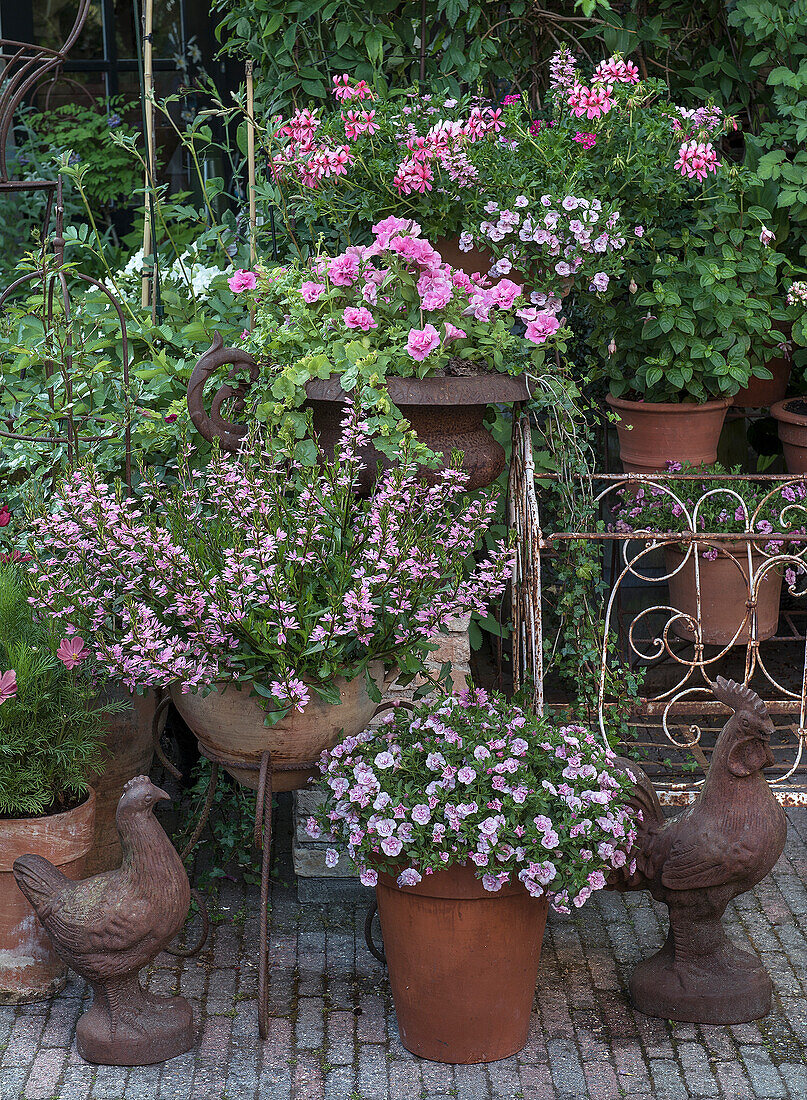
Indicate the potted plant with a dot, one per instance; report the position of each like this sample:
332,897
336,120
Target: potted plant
723,591
417,339
267,598
470,815
51,739
791,414
695,329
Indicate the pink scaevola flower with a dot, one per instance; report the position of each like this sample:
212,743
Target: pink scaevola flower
72,651
241,281
422,342
8,685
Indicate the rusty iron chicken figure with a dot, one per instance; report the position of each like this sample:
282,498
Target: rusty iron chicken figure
111,925
720,846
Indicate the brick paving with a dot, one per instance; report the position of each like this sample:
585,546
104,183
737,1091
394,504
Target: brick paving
334,1035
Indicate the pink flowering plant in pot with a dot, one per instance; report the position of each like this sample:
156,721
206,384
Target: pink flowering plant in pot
52,725
389,309
472,779
262,572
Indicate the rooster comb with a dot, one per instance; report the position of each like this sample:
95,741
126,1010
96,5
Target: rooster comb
136,782
738,697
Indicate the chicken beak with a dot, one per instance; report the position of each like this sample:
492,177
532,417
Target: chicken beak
160,795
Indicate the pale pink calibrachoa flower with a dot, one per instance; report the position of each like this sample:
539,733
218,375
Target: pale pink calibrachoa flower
242,280
421,342
540,805
8,685
72,651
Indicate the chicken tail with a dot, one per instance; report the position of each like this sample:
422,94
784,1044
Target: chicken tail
642,800
40,881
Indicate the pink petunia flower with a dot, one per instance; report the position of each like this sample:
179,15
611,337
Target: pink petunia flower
72,651
312,291
5,516
422,342
359,317
8,685
242,280
544,325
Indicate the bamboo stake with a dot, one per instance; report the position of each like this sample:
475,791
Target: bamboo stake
148,112
251,163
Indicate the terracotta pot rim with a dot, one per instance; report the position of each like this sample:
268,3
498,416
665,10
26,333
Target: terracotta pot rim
739,545
7,821
669,407
241,685
446,390
781,412
469,887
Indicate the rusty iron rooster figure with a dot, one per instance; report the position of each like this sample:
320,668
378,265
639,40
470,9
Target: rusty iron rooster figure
110,926
697,862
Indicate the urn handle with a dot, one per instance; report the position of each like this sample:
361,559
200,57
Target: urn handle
213,425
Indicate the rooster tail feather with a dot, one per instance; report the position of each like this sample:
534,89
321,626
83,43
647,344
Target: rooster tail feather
643,799
40,881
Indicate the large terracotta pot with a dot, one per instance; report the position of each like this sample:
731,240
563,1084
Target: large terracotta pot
760,393
653,433
229,725
446,413
792,423
129,742
724,595
30,969
463,964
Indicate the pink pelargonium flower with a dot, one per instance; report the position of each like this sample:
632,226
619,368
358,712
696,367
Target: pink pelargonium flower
359,317
422,342
312,292
242,280
544,325
8,685
72,651
696,159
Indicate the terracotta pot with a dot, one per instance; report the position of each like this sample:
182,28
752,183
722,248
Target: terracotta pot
792,418
229,725
130,745
478,261
724,595
463,964
652,433
446,413
762,393
30,969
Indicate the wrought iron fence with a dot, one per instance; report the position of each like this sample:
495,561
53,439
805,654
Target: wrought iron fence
682,607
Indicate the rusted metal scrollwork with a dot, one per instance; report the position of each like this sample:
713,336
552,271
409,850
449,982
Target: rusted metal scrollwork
23,67
213,425
675,641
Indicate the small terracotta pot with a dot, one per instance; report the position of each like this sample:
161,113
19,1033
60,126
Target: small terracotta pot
446,413
30,969
760,393
129,742
792,423
653,433
725,616
463,964
229,725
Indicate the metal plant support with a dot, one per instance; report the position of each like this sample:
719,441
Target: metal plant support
675,713
76,429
